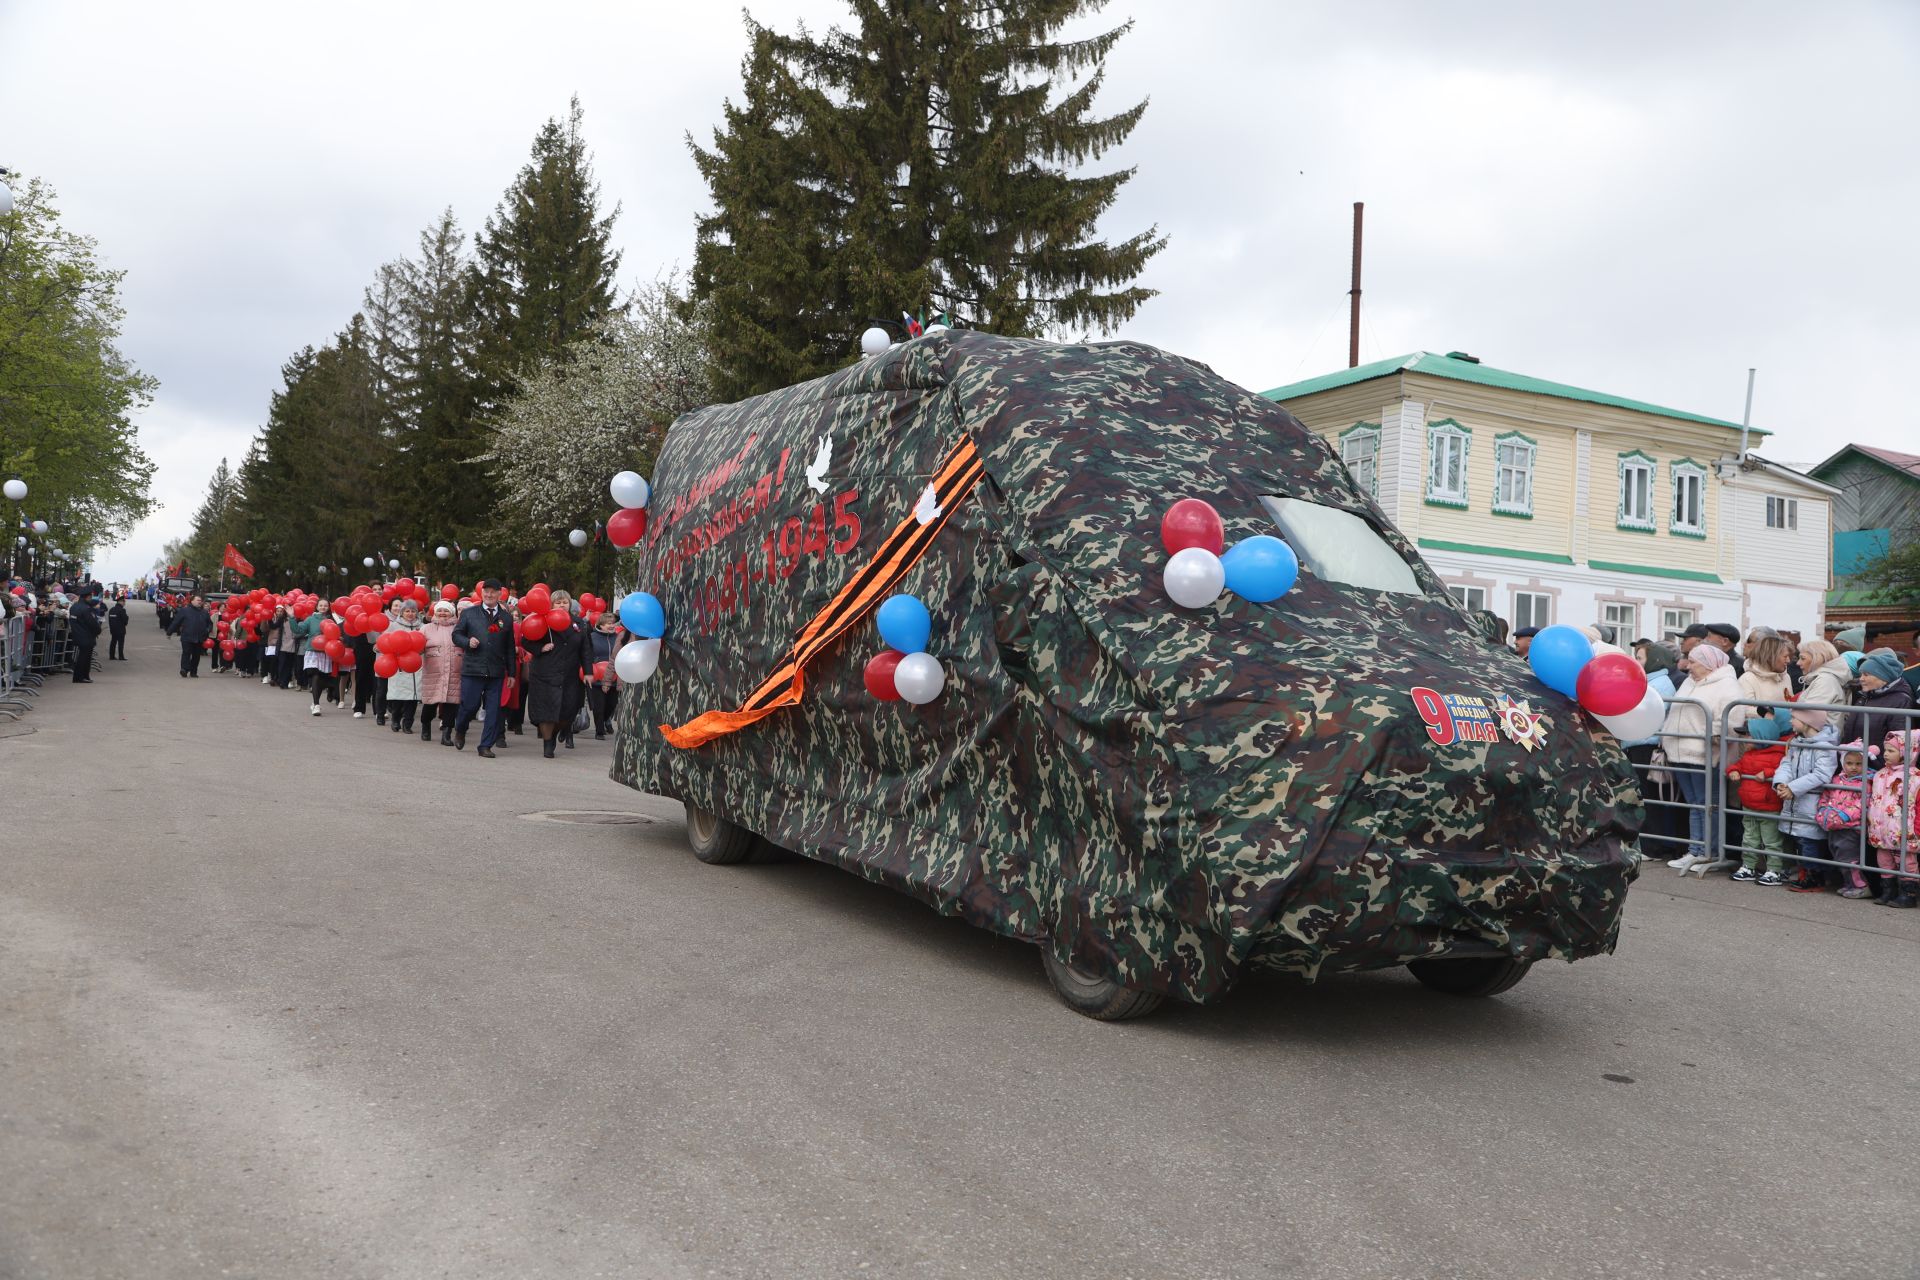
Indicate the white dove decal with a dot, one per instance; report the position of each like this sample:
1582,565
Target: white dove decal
817,469
928,509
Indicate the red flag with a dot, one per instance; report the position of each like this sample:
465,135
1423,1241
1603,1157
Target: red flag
237,562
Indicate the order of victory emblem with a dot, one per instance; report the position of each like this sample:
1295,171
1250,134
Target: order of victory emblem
1521,723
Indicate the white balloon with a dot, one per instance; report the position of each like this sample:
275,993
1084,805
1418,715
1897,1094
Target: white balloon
919,678
578,537
1642,722
875,341
629,490
637,660
39,526
935,327
17,490
1195,577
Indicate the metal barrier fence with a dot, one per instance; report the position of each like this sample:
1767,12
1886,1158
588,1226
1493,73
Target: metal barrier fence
19,686
1705,797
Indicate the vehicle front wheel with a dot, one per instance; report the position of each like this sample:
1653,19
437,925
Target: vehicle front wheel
716,841
1100,998
1472,975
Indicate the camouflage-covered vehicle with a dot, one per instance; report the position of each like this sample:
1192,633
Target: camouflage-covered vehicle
1352,776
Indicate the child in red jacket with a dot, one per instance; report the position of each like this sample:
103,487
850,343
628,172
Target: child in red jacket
1760,832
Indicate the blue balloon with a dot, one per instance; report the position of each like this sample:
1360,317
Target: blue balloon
1556,656
1260,568
642,614
905,624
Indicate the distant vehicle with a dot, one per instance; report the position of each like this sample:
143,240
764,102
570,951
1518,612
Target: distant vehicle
181,585
1353,776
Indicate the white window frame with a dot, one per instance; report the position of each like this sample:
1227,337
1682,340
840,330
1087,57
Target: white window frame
1365,434
1539,613
1513,455
1444,438
1632,463
1686,474
1783,513
1673,622
1621,631
1464,594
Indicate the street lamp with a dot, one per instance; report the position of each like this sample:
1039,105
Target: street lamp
473,554
441,553
16,490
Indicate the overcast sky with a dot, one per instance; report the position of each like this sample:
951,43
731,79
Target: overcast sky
1640,198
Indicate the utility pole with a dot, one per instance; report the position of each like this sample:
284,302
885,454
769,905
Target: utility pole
1353,320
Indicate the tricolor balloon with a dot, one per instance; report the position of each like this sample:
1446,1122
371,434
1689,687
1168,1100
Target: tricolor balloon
1612,687
1200,565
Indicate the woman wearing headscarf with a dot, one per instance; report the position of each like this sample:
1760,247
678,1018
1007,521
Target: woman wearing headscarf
1664,833
403,687
1689,737
310,633
440,674
556,677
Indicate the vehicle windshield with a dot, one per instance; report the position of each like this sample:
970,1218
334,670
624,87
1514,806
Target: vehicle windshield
1338,546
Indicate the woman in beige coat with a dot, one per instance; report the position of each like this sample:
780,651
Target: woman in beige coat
440,675
1688,737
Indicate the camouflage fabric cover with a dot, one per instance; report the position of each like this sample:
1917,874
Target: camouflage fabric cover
1165,796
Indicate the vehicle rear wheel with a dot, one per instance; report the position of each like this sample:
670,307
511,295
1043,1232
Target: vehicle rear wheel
716,841
1099,998
1472,975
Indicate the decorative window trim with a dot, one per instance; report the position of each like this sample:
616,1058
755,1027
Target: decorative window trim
1448,428
1676,469
1516,510
1634,458
1364,428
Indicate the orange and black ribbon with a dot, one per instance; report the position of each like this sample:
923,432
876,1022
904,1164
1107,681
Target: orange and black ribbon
952,482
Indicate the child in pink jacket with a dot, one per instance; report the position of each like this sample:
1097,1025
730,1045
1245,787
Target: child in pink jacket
1839,815
1895,794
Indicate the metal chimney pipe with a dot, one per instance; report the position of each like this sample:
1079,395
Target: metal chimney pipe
1353,321
1746,417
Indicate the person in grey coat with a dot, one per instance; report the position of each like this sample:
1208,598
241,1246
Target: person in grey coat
1808,766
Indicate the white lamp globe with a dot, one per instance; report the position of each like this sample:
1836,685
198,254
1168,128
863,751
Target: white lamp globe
367,561
474,554
441,553
393,564
629,489
16,490
578,537
874,341
39,526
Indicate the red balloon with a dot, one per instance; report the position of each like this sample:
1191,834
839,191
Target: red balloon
347,660
303,610
626,527
533,628
420,596
599,671
1612,684
378,622
449,592
340,604
559,620
404,587
879,674
207,643
385,665
1192,523
409,662
416,640
336,650
537,599
330,630
354,623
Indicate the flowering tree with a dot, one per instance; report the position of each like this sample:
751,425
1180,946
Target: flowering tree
601,407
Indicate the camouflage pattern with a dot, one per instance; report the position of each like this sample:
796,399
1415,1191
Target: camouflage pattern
1169,797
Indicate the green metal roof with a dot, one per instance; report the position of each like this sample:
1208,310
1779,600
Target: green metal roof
1469,371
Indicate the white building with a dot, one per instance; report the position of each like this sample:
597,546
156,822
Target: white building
1547,503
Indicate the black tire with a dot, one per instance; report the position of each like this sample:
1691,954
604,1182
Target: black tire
1472,975
716,841
1100,998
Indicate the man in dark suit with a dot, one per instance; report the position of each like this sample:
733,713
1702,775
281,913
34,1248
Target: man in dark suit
193,626
484,637
85,624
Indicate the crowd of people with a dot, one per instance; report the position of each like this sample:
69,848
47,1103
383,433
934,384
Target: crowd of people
411,657
61,622
1820,748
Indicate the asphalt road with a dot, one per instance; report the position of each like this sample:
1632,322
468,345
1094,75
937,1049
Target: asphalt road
284,996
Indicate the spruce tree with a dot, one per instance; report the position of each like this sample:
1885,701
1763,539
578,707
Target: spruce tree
544,268
934,149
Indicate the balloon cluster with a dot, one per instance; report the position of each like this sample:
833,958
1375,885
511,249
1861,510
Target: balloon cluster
1611,686
1200,567
626,526
905,670
643,616
399,650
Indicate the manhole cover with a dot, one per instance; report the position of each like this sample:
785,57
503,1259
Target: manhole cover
590,817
